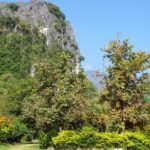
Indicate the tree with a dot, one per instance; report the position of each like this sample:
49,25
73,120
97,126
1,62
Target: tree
125,82
60,94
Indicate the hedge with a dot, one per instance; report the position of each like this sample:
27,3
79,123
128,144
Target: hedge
89,138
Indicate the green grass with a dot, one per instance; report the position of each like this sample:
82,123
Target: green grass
5,147
21,147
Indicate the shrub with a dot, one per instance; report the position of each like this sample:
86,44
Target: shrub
147,129
46,138
89,138
55,11
4,129
20,130
66,139
137,141
23,27
14,131
13,6
110,140
60,25
8,21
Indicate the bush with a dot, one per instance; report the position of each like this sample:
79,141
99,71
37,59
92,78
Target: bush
55,11
66,139
147,129
20,130
89,138
23,27
4,129
8,21
14,131
46,138
60,25
13,6
137,141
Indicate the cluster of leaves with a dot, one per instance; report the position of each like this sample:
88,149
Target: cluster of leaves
60,26
87,137
8,22
46,138
13,6
55,11
13,130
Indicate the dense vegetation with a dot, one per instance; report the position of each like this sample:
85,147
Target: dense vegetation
42,97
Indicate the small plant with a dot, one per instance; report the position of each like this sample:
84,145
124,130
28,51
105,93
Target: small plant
60,25
23,27
46,138
8,21
55,11
13,7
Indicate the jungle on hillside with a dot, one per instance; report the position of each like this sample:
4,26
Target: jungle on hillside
44,98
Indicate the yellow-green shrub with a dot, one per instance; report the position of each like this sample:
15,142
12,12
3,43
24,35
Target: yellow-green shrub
89,138
4,129
66,139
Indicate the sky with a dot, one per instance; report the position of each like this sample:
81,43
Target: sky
96,22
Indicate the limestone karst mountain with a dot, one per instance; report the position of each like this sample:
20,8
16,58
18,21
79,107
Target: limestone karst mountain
49,20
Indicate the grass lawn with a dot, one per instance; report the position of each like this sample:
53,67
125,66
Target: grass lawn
28,146
5,147
20,147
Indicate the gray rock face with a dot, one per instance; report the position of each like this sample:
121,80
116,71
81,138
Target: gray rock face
36,14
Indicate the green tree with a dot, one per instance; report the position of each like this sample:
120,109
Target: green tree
60,94
125,82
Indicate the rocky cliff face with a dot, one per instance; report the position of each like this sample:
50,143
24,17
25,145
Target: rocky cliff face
50,21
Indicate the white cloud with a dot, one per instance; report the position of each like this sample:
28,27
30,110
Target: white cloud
88,67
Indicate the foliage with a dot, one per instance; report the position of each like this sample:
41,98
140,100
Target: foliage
55,101
4,130
20,130
13,6
60,26
59,94
55,11
66,139
125,83
23,27
8,22
89,138
46,138
18,50
8,87
81,58
12,92
13,131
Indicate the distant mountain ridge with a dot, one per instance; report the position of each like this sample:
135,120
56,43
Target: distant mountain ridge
94,78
